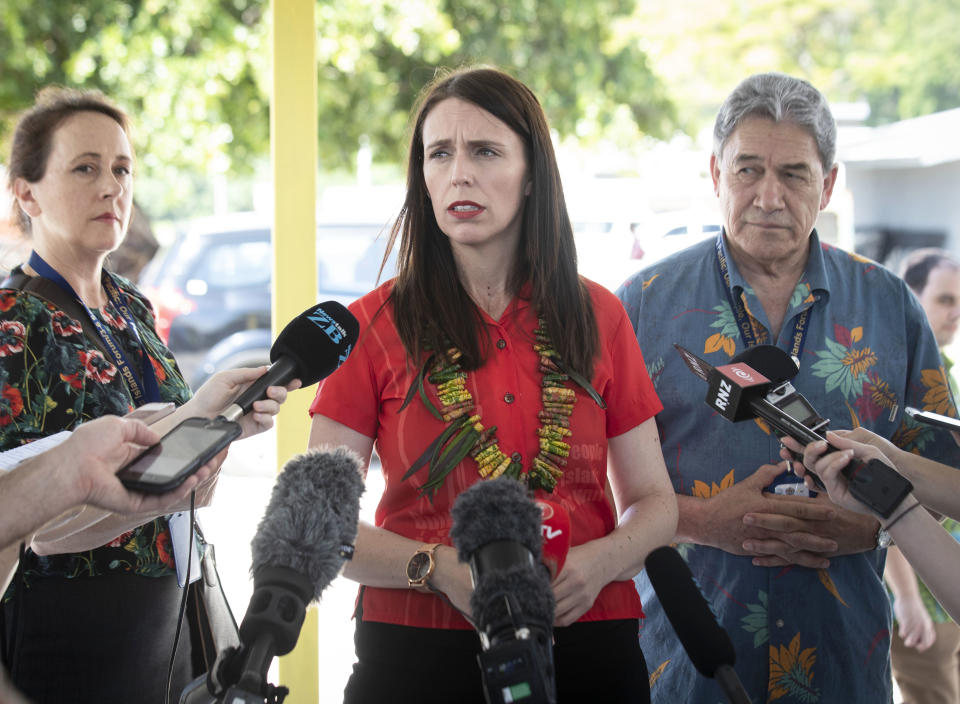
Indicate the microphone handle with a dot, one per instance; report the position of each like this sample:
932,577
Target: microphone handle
278,374
731,685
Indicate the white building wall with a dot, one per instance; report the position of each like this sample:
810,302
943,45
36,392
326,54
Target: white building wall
911,199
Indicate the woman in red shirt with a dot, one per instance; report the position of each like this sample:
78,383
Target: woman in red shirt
528,371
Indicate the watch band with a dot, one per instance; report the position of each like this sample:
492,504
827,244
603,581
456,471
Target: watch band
424,557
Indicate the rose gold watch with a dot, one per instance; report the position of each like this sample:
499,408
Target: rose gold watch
420,567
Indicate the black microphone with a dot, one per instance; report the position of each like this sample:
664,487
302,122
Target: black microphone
707,644
741,391
309,348
497,529
305,536
771,361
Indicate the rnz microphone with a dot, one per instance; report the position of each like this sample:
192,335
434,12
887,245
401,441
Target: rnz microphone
309,348
497,529
305,536
755,384
707,644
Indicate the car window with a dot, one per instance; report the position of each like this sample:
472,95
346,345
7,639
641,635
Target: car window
235,264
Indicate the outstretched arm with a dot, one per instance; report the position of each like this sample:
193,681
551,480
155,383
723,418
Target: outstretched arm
931,550
935,484
82,470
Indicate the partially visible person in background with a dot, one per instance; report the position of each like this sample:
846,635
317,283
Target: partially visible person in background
137,248
92,617
925,643
934,276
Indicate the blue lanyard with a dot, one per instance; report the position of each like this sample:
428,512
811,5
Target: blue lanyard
799,336
143,390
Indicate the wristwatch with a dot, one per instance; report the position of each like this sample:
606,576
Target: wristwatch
884,539
420,567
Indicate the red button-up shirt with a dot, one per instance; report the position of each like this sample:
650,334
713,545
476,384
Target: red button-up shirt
367,391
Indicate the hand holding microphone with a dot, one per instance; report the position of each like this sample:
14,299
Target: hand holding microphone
309,348
224,386
755,384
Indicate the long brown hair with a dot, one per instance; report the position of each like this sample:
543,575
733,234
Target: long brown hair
431,307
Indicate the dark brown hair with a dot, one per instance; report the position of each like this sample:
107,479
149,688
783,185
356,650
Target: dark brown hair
919,263
430,304
33,136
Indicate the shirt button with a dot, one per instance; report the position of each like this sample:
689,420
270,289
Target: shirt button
508,397
501,344
779,623
516,457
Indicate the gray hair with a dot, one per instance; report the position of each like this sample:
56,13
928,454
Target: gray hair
781,98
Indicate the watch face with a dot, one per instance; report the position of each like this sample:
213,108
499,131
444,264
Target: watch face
418,566
883,539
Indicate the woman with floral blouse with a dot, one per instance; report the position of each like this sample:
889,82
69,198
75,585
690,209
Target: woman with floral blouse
92,612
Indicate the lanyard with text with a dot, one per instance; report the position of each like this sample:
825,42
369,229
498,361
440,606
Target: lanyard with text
799,336
143,389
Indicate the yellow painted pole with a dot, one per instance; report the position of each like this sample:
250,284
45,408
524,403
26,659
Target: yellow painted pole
293,140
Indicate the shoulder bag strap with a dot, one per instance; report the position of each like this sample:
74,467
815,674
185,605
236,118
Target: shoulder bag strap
49,291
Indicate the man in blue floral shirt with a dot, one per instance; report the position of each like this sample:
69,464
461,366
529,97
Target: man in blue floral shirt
795,580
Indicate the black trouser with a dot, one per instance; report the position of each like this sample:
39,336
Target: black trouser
597,661
100,640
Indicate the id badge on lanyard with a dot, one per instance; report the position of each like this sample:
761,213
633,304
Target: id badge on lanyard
797,339
143,387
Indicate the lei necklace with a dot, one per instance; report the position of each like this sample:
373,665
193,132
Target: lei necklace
466,435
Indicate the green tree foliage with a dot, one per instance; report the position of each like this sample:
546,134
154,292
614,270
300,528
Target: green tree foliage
901,56
376,55
703,48
193,74
912,65
187,72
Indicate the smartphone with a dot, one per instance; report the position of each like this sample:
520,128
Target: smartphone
931,418
180,453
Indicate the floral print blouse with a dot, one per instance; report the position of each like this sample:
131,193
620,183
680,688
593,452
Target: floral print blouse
52,378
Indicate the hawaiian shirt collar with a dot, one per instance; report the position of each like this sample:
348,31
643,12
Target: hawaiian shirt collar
815,274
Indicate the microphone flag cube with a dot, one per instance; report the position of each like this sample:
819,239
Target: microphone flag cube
731,386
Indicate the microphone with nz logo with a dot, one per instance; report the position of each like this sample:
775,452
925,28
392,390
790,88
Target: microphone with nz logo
311,347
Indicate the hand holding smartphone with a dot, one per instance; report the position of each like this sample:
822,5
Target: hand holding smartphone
180,453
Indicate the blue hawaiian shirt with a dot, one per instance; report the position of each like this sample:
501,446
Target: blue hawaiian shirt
800,634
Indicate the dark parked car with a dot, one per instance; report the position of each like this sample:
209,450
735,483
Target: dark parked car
211,289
